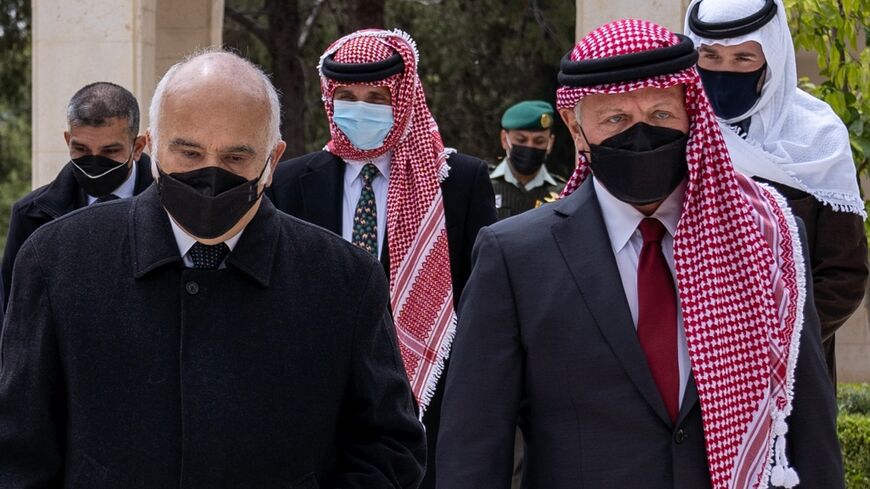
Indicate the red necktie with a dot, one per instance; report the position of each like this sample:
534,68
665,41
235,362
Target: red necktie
657,314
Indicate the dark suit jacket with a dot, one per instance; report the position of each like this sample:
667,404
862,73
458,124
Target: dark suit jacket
45,204
121,368
838,257
311,187
546,339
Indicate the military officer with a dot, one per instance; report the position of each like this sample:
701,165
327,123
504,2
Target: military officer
521,181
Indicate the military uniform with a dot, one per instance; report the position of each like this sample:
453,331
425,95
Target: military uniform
511,196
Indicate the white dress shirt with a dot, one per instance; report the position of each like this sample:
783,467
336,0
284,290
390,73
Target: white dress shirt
542,177
353,184
125,190
185,242
621,220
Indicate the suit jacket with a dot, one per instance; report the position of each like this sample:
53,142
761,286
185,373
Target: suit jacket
838,257
45,204
311,187
121,368
546,340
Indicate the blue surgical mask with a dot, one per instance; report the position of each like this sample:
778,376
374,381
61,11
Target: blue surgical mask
365,125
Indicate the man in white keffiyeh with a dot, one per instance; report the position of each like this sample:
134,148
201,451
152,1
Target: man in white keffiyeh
386,182
780,135
657,338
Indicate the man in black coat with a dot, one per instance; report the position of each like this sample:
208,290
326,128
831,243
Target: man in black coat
106,162
663,334
218,343
386,183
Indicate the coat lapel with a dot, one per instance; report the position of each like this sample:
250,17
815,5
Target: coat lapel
584,244
322,190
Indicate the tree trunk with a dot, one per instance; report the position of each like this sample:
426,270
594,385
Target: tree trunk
366,14
282,42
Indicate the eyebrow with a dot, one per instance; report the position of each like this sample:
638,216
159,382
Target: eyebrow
80,144
184,142
708,49
242,148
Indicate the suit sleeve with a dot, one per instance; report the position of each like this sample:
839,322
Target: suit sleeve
485,379
814,450
384,444
839,267
14,239
481,213
32,410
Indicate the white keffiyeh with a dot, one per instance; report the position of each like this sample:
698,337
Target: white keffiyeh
793,138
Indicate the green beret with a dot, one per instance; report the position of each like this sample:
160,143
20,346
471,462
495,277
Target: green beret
532,115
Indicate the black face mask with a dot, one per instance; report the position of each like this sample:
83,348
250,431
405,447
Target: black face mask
642,164
731,94
209,201
526,160
98,175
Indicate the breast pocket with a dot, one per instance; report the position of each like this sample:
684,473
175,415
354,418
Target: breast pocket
89,474
308,481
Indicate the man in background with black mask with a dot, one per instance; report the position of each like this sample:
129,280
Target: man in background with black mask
784,137
521,181
195,336
106,163
651,328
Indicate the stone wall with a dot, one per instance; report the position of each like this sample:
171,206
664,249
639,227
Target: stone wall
128,42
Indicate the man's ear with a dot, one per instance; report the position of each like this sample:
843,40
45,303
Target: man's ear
570,120
66,137
139,146
276,157
504,141
552,141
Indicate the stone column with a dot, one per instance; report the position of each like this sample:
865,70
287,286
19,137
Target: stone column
128,42
594,13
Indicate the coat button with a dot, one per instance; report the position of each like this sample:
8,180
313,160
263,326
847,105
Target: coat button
680,436
192,288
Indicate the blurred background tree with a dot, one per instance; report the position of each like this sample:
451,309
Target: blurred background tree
837,31
476,59
14,106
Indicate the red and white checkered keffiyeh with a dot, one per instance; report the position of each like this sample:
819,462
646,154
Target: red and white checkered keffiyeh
740,278
420,282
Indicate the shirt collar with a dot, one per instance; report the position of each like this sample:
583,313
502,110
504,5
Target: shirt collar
125,190
622,219
186,241
354,167
503,170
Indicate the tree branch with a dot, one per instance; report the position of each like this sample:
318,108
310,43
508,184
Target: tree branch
309,21
252,26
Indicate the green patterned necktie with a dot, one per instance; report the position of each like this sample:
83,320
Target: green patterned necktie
365,218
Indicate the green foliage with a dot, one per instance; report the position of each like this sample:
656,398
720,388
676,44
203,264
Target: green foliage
14,106
837,31
854,434
854,398
476,59
853,429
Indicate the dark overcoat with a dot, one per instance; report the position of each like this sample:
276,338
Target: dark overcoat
546,340
45,204
838,257
121,368
311,187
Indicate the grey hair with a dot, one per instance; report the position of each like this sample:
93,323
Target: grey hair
94,104
274,128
